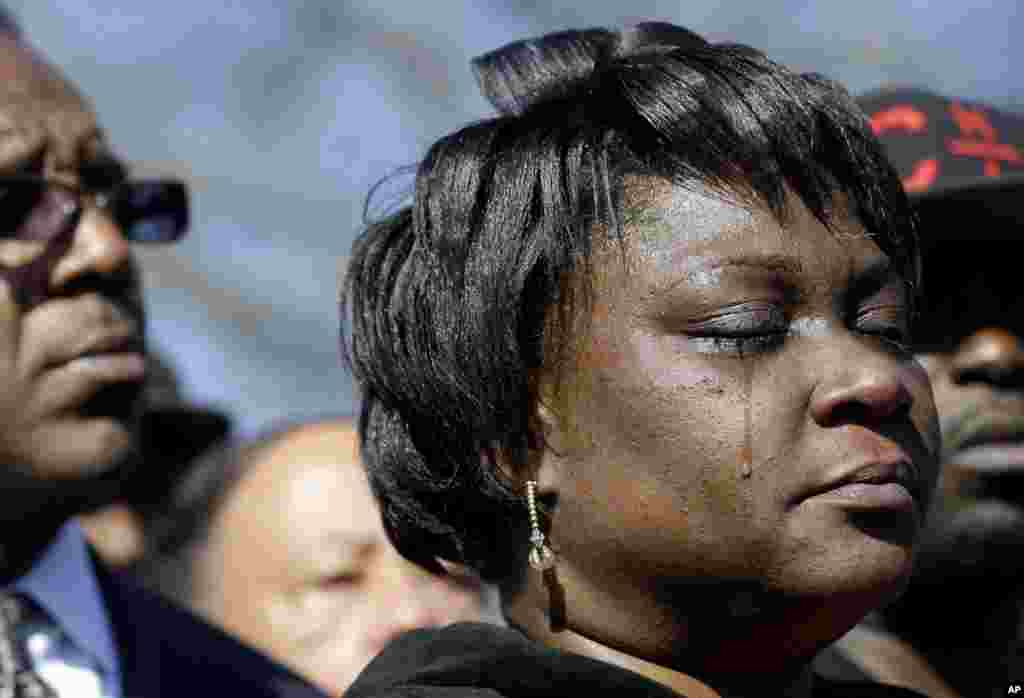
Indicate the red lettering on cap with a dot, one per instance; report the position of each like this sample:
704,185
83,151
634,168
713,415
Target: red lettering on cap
910,119
1003,152
923,176
973,122
985,145
901,117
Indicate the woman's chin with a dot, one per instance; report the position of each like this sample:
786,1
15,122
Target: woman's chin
868,578
835,550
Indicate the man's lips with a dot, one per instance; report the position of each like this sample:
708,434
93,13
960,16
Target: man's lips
104,378
986,428
992,441
124,360
128,342
1002,457
115,344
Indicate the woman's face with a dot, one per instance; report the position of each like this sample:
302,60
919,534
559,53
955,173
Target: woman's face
743,435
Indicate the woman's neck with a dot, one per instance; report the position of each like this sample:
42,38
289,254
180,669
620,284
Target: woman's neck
535,625
681,682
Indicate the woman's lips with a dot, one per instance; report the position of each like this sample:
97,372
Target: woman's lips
886,496
890,486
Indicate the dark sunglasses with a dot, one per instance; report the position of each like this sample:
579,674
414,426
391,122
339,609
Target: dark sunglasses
37,209
146,210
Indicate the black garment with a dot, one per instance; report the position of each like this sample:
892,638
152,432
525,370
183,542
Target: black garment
167,652
473,660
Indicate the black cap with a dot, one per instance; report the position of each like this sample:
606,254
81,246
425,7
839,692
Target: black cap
952,154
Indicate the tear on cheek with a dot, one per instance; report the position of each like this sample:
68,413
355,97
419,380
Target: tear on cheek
810,327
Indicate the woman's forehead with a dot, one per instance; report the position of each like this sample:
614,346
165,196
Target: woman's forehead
684,230
657,212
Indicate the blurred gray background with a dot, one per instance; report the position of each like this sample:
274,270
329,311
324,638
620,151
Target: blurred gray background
283,114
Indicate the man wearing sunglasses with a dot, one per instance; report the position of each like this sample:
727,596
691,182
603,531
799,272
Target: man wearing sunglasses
72,365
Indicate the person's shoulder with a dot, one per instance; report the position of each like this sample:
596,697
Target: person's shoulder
445,662
166,650
480,660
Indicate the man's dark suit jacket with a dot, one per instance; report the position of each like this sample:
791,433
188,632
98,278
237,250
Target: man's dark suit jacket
167,652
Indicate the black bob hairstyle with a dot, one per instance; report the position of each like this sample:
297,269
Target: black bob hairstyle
447,304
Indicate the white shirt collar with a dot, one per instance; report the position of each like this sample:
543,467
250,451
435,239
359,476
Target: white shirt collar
63,582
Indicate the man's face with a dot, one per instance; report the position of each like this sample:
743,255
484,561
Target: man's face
71,360
298,563
973,337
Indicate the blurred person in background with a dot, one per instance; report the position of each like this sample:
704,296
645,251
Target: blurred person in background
173,433
957,629
72,367
279,540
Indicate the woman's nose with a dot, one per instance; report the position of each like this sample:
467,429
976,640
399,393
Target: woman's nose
866,392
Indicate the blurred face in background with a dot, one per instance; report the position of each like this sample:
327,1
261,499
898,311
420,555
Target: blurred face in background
298,563
71,321
971,338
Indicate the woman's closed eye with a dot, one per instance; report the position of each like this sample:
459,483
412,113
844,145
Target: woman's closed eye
747,327
888,322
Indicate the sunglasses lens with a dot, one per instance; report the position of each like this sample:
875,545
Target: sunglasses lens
152,210
33,210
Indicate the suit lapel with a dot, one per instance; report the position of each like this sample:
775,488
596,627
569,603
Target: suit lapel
135,635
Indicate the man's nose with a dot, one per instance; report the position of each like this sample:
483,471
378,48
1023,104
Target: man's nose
992,355
98,247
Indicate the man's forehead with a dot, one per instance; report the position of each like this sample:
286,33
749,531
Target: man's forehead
40,109
23,68
18,60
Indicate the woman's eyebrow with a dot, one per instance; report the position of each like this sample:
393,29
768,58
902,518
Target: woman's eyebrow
769,262
705,270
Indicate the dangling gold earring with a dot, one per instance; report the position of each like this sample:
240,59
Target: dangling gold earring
541,556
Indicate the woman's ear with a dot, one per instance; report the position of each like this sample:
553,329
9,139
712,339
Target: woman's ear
546,428
547,420
547,462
